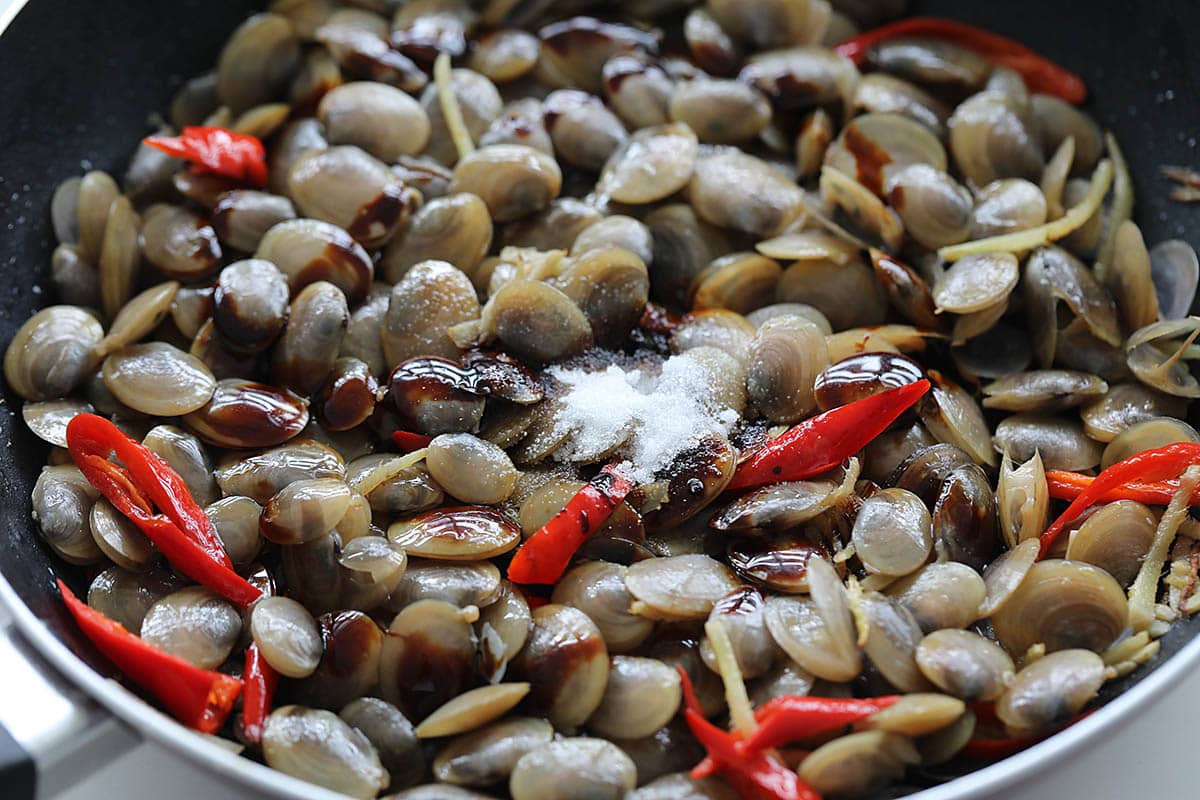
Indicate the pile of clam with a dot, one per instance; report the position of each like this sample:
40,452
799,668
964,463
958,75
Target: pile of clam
807,233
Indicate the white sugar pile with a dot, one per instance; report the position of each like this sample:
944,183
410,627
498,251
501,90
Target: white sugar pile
657,416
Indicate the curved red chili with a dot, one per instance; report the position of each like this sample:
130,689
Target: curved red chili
197,697
1040,73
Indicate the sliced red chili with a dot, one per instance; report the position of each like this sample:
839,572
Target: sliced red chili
1069,485
790,718
1040,73
820,443
408,441
545,555
217,150
1150,466
197,697
755,775
260,680
181,530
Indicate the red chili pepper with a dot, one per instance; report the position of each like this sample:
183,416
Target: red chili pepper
408,441
790,717
987,748
1040,73
1068,485
217,150
197,697
545,555
181,530
1150,466
261,680
754,776
820,443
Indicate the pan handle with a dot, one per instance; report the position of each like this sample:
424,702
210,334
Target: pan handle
52,735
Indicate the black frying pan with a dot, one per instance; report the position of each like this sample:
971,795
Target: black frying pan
79,77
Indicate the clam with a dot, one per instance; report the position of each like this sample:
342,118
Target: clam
349,668
307,250
720,111
184,453
740,192
698,474
582,129
1062,443
244,414
434,396
916,714
976,282
816,134
683,245
1116,538
257,61
856,764
427,658
76,282
678,588
786,504
1022,499
740,282
392,736
566,665
317,746
365,54
1062,604
1057,120
1043,390
487,755
52,352
119,539
1007,206
719,329
287,636
682,786
936,63
505,54
503,628
861,209
62,501
1052,275
521,123
120,256
125,597
941,595
471,469
817,633
905,289
641,696
455,229
462,533
786,356
349,394
881,93
653,164
347,187
512,180
1129,277
767,23
778,562
1146,435
741,614
304,510
432,297
158,379
194,624
892,533
575,50
312,573
139,317
806,312
309,345
610,285
459,583
1175,271
863,375
848,294
532,320
260,475
992,136
620,231
235,519
364,332
598,589
711,46
952,415
874,147
1050,691
242,217
472,709
577,768
479,104
93,201
180,243
371,568
64,211
799,78
964,664
638,88
1156,356
48,419
380,119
